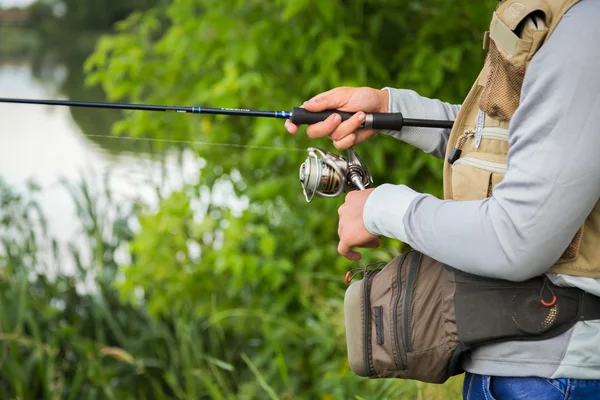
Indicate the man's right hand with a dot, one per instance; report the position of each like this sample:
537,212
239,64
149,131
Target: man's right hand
348,133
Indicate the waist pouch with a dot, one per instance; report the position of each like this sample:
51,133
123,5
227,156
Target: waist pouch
415,317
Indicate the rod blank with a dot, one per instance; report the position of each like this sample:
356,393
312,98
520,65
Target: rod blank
145,107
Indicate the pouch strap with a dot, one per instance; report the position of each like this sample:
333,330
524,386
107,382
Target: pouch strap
590,307
575,305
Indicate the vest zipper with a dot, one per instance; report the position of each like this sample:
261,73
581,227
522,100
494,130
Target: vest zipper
490,166
486,133
399,357
495,133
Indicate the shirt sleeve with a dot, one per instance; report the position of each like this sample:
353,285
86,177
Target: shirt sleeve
412,105
552,181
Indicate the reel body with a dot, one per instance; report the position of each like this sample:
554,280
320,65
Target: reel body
328,175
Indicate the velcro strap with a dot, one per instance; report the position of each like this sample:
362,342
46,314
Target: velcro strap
514,11
503,36
486,40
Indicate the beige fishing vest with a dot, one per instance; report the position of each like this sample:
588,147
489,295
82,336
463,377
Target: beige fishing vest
478,145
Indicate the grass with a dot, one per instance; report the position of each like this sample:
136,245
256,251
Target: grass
60,341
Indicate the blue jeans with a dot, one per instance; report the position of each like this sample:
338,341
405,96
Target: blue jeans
485,387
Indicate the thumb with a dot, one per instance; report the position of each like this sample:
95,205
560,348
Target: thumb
332,99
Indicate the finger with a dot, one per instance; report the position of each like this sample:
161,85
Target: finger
360,136
363,135
373,244
349,126
328,100
291,127
346,142
348,253
324,128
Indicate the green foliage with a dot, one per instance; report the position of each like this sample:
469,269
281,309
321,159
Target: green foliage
67,335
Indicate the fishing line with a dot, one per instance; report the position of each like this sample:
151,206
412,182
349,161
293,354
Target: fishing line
215,144
194,142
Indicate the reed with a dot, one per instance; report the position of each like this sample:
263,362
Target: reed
75,336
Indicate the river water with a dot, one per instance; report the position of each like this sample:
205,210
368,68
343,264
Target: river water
48,144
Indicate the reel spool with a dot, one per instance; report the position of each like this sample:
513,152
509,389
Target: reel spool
328,175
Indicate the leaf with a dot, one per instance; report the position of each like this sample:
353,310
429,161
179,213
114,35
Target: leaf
260,378
293,8
118,354
219,363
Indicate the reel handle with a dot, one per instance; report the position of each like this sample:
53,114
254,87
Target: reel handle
387,121
355,179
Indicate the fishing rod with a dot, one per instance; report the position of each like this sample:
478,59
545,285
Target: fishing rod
322,173
298,115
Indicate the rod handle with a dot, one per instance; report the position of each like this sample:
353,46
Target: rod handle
380,121
392,121
302,117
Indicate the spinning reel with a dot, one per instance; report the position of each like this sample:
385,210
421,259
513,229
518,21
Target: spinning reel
328,175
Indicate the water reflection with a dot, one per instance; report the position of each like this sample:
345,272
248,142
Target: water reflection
47,143
58,66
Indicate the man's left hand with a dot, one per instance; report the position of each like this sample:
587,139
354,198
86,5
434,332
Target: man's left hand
351,228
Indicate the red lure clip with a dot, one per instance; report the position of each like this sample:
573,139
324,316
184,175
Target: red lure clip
347,279
548,303
544,302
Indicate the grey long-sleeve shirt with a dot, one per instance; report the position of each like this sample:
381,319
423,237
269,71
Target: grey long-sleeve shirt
552,181
551,185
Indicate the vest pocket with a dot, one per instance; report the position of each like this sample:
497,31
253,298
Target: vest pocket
475,175
508,57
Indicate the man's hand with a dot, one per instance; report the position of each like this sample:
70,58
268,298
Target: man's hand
344,134
351,229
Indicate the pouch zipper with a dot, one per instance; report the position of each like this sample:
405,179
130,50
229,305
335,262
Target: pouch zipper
398,359
490,166
410,288
367,365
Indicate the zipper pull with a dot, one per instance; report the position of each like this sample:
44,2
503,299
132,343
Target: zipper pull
457,150
479,132
366,271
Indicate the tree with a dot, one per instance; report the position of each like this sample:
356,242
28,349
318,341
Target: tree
93,15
